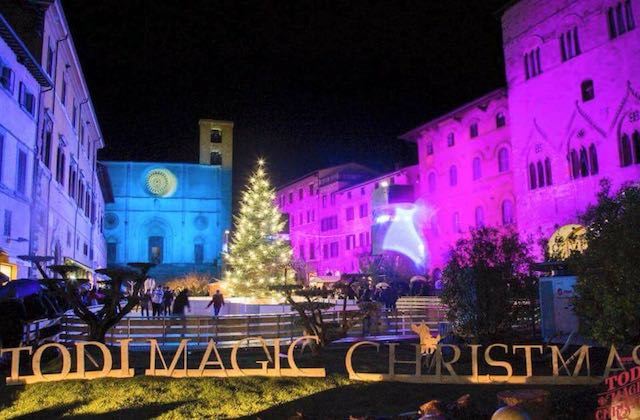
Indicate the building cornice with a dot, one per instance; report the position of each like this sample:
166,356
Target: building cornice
414,134
57,9
24,55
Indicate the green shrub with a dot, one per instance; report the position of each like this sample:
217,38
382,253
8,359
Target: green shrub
487,285
608,271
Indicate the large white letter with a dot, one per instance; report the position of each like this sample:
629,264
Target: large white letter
15,362
106,354
182,348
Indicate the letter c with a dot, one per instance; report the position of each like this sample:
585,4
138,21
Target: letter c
352,373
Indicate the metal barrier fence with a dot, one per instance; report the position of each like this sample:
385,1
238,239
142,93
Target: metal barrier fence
227,330
40,330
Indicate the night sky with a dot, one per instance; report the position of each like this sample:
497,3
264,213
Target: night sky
308,85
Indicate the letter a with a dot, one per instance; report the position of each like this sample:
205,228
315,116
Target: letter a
211,348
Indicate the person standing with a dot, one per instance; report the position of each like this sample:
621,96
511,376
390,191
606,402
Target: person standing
145,300
181,302
217,301
156,301
167,300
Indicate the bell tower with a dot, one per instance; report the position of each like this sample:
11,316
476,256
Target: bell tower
216,143
216,149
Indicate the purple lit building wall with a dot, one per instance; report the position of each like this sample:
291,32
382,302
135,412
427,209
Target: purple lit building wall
573,76
331,212
466,172
530,156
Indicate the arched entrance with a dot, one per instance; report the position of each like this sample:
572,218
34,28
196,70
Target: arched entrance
155,241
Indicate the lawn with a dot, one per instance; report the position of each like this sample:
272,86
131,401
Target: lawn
332,397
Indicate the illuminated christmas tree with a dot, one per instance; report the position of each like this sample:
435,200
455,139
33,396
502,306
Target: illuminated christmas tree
258,258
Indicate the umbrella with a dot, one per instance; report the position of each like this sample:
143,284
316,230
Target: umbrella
418,278
21,287
382,285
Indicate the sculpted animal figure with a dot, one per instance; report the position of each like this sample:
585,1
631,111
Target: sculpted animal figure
428,344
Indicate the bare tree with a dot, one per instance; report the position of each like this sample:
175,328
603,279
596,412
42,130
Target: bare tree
118,302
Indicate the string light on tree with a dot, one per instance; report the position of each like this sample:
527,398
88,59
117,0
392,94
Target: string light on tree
257,257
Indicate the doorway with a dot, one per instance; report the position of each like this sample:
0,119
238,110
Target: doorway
156,249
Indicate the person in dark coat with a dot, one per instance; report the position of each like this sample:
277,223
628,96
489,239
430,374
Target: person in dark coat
145,302
393,298
365,296
167,300
217,300
13,315
181,302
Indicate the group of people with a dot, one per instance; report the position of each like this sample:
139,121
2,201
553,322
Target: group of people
385,295
163,301
365,292
160,301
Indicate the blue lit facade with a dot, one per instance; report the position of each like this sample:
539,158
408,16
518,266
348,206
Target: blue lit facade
172,214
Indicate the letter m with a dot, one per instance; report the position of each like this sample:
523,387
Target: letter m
582,354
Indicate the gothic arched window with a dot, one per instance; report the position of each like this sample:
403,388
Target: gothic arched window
477,168
431,180
636,145
540,174
625,151
507,212
479,217
593,159
547,171
500,120
503,160
575,164
532,176
473,130
453,176
584,162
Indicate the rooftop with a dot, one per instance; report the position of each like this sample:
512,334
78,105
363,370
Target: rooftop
456,114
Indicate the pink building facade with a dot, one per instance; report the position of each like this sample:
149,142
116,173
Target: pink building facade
572,70
466,167
530,156
331,212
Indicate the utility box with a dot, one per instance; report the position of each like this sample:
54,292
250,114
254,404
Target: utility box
556,310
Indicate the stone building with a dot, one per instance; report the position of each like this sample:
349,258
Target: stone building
60,199
331,213
21,79
69,200
530,156
466,167
173,214
574,101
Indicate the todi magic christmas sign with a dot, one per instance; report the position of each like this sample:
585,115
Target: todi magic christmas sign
431,362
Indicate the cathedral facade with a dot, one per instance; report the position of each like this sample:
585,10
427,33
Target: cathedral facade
175,215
